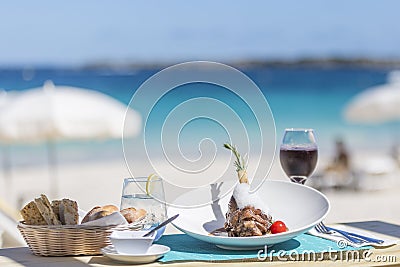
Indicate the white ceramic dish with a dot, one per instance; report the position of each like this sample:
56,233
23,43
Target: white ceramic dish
154,253
300,207
131,242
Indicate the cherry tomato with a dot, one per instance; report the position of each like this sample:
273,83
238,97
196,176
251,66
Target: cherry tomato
278,227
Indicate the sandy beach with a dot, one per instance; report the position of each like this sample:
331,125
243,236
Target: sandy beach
94,184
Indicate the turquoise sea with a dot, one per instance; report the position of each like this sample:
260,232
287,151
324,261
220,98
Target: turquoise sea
299,96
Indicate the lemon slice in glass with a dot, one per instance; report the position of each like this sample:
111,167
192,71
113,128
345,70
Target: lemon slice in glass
149,187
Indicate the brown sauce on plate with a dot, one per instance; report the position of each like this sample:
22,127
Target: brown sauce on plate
219,232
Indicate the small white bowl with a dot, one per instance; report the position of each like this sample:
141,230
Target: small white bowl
131,242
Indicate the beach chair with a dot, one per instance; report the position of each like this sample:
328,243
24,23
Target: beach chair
10,236
378,173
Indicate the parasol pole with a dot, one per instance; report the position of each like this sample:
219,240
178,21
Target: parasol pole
52,162
6,162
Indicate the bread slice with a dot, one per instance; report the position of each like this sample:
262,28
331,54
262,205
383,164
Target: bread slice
31,215
45,209
69,212
55,204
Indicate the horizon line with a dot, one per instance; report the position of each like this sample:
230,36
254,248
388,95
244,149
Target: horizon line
247,62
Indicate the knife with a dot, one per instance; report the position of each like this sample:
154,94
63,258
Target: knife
366,238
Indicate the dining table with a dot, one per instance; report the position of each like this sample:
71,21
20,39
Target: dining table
369,256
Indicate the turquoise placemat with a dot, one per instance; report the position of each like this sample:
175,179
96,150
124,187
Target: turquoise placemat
186,248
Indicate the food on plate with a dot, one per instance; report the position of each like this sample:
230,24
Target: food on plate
132,215
59,212
99,212
247,214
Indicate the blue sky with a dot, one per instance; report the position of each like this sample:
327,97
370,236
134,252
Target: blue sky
79,32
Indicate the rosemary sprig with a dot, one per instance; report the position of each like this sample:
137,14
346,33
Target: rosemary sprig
240,162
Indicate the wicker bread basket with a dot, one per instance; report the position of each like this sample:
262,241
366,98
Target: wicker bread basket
66,240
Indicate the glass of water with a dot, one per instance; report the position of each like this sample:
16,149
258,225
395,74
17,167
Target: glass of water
134,195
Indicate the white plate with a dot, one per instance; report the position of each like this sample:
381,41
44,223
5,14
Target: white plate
155,252
299,207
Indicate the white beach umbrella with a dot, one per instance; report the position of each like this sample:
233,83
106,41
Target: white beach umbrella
64,113
51,113
377,104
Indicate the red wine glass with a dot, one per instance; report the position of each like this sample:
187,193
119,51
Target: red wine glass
298,154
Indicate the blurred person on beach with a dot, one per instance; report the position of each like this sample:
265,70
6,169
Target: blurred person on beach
340,168
341,160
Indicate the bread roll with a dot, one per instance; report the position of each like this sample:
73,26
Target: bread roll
110,208
132,215
99,212
90,213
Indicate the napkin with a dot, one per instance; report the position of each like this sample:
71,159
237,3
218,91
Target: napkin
341,241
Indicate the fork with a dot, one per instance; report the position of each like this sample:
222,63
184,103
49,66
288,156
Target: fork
321,228
364,238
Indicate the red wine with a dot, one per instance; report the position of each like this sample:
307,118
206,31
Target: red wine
298,161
